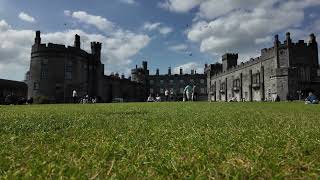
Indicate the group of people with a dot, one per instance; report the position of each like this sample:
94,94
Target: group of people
190,93
83,100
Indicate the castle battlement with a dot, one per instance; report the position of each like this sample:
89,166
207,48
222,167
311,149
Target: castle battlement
266,54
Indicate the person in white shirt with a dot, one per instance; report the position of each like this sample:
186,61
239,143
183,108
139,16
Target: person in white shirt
166,94
150,98
158,98
74,96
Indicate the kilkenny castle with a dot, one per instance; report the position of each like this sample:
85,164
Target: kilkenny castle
286,71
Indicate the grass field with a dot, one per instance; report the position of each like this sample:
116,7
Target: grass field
160,140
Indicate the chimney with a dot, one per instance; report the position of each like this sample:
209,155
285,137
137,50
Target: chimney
169,71
181,71
288,38
157,72
122,76
37,40
145,65
312,38
77,41
192,72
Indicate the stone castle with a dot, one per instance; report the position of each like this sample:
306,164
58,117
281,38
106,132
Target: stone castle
286,71
56,70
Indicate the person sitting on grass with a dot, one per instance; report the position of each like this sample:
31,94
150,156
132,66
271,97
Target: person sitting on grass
158,98
311,99
150,98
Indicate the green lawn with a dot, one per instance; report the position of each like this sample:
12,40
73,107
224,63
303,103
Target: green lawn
160,140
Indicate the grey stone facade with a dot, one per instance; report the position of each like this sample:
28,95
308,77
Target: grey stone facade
157,83
55,71
287,70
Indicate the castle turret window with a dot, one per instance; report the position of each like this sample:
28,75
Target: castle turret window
36,86
68,71
44,69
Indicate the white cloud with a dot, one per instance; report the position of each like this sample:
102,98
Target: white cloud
151,26
165,30
101,23
128,1
4,25
26,17
180,6
118,47
157,26
67,12
244,26
178,48
188,67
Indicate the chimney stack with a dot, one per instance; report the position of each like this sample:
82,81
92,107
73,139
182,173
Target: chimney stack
77,41
37,40
169,71
157,72
181,71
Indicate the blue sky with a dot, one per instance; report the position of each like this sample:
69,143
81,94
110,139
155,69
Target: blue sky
165,32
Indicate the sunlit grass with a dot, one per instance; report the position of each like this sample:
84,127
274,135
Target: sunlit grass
160,140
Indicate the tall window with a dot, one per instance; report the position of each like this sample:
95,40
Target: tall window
44,69
171,81
236,83
256,78
68,70
151,82
202,81
161,81
151,91
181,81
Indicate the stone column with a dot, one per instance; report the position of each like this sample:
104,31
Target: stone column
241,89
262,90
250,86
226,90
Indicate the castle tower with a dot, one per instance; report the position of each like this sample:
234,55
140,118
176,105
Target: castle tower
77,43
96,50
229,60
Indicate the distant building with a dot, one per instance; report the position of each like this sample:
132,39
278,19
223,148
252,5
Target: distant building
16,88
287,70
157,84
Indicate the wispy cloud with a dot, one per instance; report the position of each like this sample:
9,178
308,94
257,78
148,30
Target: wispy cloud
26,17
